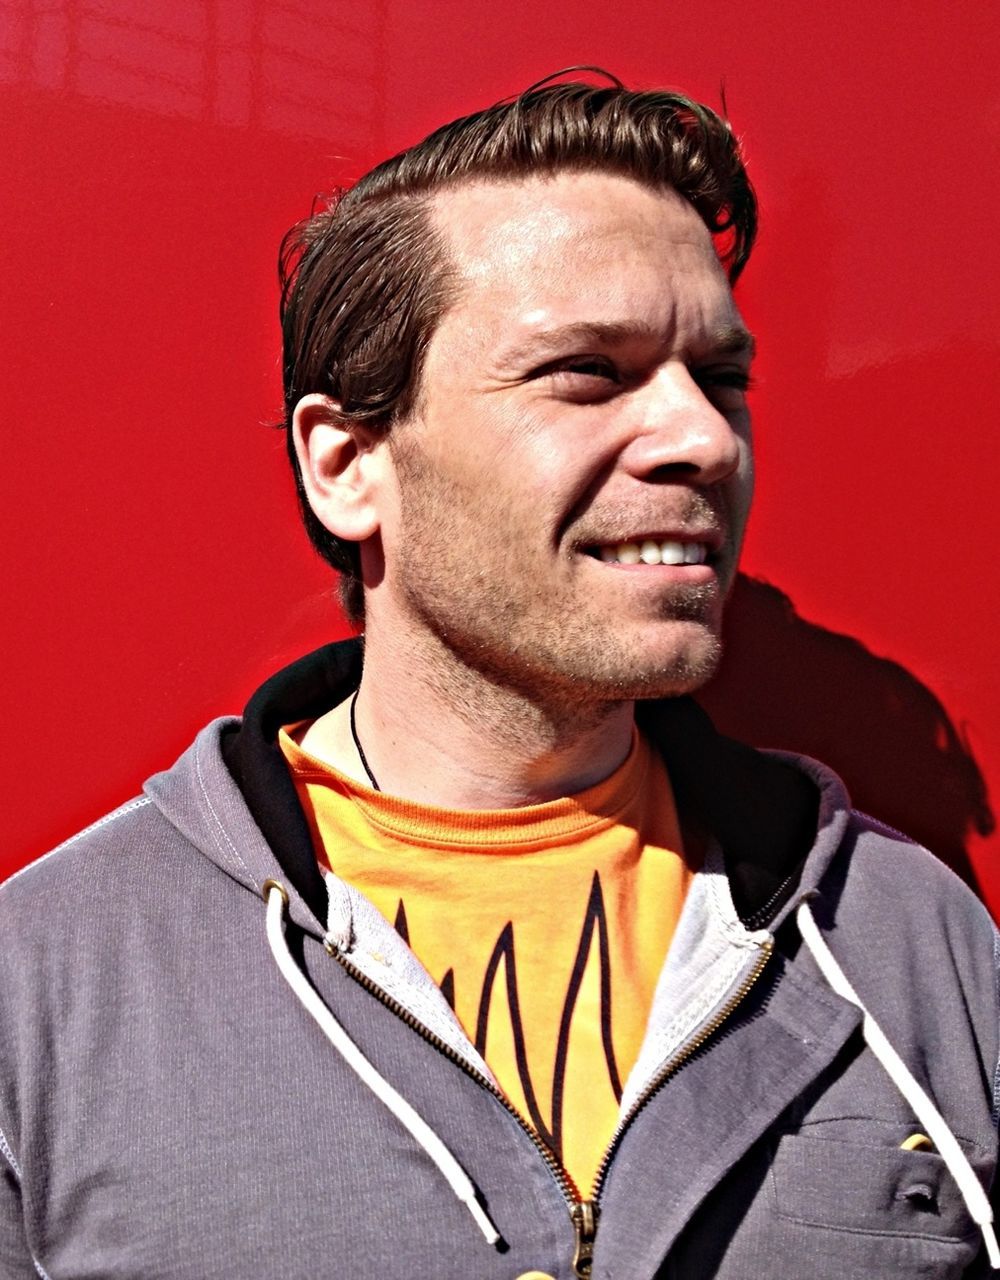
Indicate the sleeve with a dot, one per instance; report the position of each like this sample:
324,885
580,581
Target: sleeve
981,1269
16,1258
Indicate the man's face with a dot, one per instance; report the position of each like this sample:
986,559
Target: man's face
572,490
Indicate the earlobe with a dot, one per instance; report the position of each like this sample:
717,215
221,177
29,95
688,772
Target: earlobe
339,468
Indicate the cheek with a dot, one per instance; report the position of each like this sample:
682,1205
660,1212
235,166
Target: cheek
492,471
747,479
520,460
398,481
741,484
562,455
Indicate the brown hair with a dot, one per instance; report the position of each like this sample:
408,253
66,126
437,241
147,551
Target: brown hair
365,280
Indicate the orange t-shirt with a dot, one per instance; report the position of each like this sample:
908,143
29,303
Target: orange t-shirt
545,926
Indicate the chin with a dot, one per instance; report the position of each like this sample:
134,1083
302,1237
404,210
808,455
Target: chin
648,667
671,682
682,667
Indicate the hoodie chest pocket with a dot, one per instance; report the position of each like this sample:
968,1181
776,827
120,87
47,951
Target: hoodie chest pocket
869,1189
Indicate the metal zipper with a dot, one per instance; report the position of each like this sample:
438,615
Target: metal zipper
584,1214
558,1172
675,1064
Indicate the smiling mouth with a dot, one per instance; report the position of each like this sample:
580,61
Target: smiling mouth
648,551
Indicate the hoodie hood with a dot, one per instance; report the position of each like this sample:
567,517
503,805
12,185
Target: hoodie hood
777,818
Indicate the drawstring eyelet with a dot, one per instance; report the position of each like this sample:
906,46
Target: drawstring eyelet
268,885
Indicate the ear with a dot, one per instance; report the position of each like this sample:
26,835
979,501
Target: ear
340,467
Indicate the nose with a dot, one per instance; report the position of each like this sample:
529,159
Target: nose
678,429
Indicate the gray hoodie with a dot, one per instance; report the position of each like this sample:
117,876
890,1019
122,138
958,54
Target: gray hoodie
197,1082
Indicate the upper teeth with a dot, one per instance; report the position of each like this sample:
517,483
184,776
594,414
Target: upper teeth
655,553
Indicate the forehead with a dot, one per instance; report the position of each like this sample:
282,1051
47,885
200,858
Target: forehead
559,248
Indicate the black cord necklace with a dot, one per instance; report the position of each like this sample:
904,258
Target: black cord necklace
357,743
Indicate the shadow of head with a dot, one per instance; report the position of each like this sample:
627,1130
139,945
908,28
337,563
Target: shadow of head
790,684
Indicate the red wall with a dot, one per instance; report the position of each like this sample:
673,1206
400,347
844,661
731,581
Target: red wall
154,155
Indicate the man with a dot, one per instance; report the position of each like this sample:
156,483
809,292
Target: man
557,982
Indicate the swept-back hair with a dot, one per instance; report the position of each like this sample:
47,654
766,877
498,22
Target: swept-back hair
366,279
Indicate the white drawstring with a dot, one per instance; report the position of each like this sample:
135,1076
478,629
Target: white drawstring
453,1172
976,1200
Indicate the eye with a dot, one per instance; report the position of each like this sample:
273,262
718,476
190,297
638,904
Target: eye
584,378
725,385
590,366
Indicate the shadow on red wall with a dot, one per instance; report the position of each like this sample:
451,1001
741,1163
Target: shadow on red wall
792,684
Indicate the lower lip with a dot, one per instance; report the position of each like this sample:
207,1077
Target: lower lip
662,573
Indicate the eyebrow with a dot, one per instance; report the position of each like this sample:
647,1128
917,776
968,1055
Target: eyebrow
734,340
729,340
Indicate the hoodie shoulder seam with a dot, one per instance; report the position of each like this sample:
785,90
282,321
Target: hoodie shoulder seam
865,822
229,850
139,803
885,829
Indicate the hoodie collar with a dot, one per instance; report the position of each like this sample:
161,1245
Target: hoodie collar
766,810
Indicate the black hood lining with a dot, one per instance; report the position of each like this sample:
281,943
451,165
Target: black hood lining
303,691
762,811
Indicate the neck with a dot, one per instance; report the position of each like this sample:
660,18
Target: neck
435,731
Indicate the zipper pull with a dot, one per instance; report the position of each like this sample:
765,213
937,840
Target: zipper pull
584,1215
